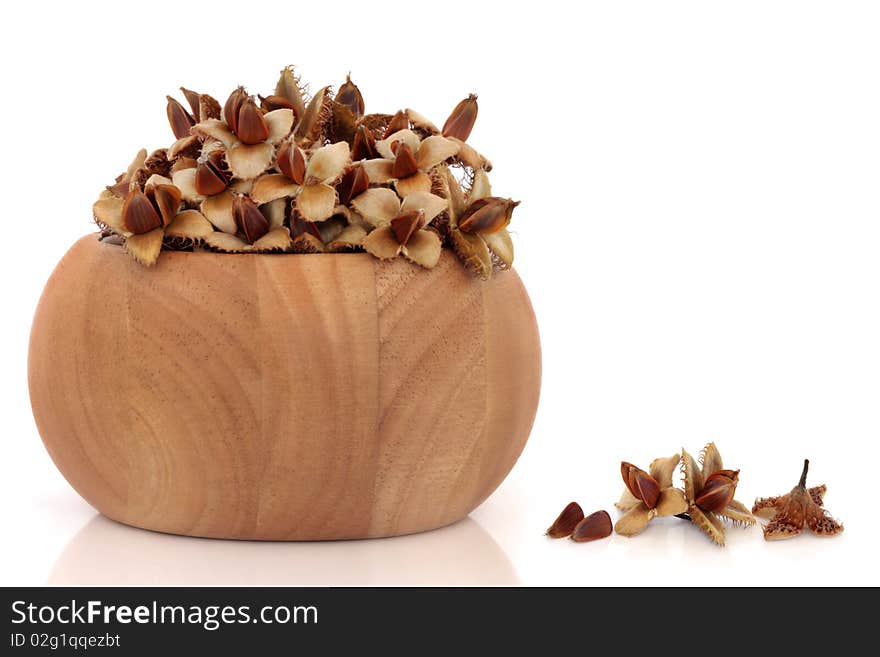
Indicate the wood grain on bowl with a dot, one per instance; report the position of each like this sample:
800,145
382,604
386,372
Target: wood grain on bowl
282,397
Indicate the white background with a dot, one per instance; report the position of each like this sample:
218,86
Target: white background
699,232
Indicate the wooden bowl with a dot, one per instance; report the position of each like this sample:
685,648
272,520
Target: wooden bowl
279,396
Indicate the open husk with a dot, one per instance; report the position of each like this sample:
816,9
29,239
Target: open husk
291,172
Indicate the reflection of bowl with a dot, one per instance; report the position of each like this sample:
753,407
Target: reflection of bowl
107,553
281,397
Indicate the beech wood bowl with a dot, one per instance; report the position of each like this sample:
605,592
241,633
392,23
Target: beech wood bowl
282,397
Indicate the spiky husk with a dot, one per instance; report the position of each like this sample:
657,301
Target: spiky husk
220,151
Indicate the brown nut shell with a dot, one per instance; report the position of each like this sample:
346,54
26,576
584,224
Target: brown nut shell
641,484
461,120
250,221
567,520
139,215
251,127
404,225
595,526
718,490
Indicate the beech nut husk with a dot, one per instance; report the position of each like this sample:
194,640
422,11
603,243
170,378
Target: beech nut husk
296,172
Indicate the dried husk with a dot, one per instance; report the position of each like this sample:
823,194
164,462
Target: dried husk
434,150
249,161
327,164
635,520
430,204
272,186
190,225
377,206
237,174
420,123
317,115
473,252
289,88
145,247
279,123
501,246
382,243
218,211
276,212
350,239
671,502
108,212
316,202
423,248
418,182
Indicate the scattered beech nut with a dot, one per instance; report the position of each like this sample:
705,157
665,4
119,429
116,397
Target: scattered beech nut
461,120
564,525
595,526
